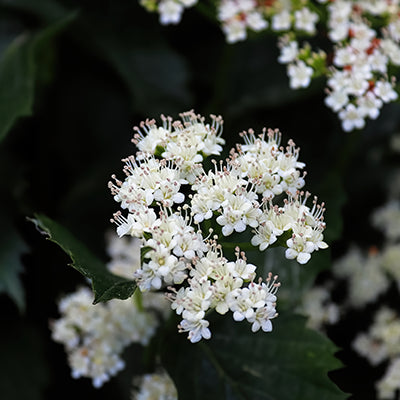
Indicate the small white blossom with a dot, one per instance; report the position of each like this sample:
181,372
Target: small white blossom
300,75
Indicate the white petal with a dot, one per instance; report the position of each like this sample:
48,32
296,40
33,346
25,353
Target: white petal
303,258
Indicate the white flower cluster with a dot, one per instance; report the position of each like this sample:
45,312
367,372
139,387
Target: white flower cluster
365,36
94,336
387,219
172,202
381,343
217,284
170,11
156,386
359,81
319,308
365,275
359,77
238,16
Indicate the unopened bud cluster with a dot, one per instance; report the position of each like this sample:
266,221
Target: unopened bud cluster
171,201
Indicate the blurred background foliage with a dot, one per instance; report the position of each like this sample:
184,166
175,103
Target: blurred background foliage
74,78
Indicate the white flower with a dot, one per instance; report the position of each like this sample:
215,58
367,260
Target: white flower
289,52
384,90
387,219
264,235
394,29
238,212
351,117
305,20
369,105
94,336
156,386
227,9
197,328
317,306
235,30
256,21
344,56
170,12
337,100
389,383
300,75
391,49
299,246
281,21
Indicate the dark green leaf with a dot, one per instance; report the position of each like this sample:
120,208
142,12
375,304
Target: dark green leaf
11,248
106,286
143,252
296,278
156,76
291,362
20,66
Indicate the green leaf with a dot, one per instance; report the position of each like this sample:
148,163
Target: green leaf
155,75
11,248
106,286
296,278
291,362
21,64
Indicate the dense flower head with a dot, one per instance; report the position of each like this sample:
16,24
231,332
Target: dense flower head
358,63
94,336
157,385
170,202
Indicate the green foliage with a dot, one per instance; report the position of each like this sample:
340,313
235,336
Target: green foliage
105,285
154,74
11,249
296,278
20,66
291,362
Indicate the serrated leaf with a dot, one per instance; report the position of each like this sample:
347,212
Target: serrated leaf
105,285
19,67
11,248
291,362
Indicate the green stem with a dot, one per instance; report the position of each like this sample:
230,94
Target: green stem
244,246
138,299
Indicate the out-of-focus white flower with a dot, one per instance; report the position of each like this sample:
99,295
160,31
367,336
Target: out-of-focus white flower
389,383
318,307
305,20
352,117
94,336
387,219
156,386
300,75
170,12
